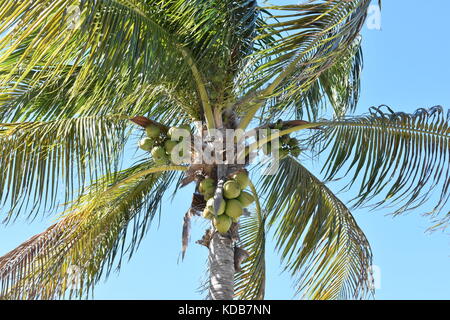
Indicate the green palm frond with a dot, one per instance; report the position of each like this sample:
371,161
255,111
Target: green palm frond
119,46
319,240
250,282
36,158
98,59
399,158
339,86
88,237
319,33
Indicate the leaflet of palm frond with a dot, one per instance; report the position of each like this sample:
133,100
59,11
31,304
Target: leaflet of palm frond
37,158
91,236
402,159
320,243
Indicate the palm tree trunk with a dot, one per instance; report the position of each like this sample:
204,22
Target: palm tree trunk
221,265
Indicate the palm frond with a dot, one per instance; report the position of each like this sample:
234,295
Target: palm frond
115,39
88,238
339,86
37,158
250,282
401,158
319,35
319,240
118,47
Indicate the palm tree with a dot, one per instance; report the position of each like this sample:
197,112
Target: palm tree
74,73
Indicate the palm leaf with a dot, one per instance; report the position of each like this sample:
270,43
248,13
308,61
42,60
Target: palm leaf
36,158
319,35
399,158
250,282
320,242
88,237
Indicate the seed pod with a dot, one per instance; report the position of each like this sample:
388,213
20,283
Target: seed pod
153,131
222,223
231,189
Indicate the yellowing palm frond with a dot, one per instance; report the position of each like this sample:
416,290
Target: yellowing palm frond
37,158
250,282
320,243
88,237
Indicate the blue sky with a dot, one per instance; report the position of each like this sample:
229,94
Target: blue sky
406,67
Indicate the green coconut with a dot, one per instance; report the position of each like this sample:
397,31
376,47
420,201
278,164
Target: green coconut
246,199
159,152
186,127
146,144
234,208
207,214
169,145
285,139
208,195
153,131
210,206
235,220
206,186
242,178
293,142
231,189
173,130
162,161
222,223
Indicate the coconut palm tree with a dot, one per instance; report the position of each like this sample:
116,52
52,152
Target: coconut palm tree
81,79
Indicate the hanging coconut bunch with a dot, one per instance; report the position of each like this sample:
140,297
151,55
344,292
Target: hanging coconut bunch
231,207
160,143
286,146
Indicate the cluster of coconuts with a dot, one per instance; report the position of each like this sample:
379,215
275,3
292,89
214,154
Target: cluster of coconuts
232,206
286,146
160,143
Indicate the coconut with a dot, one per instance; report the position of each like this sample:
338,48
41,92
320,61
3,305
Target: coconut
222,223
210,206
285,139
186,127
206,185
234,208
169,145
246,199
153,131
207,214
242,178
231,189
235,220
293,142
162,161
146,144
208,195
173,130
159,152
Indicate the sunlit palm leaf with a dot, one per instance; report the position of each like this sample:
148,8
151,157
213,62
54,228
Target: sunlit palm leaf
250,283
106,60
38,158
319,240
319,34
395,158
88,237
339,86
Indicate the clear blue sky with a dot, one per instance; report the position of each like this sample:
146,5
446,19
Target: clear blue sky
406,67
